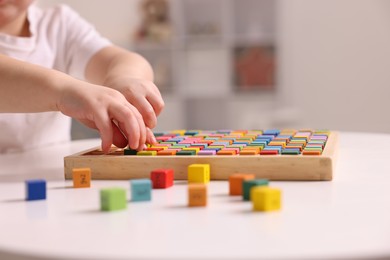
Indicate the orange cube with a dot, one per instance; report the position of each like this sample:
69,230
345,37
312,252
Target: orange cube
197,195
236,180
81,177
249,152
226,152
166,152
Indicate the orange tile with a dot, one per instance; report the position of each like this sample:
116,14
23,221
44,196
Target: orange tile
81,177
227,152
311,152
249,152
197,195
235,182
166,152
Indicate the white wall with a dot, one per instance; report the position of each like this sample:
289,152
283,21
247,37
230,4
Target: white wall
115,19
334,62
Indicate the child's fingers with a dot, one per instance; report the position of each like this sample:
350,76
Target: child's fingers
150,138
123,127
156,101
142,140
103,124
147,111
131,128
142,129
128,119
119,140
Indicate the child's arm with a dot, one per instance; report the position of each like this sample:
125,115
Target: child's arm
26,88
130,74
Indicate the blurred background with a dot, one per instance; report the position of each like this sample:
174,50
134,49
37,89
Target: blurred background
257,64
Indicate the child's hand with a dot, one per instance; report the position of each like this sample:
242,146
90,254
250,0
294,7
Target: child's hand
142,94
108,111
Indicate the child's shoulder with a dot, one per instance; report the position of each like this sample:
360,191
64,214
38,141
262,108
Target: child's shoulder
58,11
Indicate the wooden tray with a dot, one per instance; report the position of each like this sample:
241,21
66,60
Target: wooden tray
116,166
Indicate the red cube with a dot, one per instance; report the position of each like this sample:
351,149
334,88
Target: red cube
162,178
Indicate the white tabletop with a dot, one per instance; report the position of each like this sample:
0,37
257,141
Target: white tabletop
348,217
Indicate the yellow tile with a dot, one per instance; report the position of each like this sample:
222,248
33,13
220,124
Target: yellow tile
199,173
265,198
216,146
251,148
163,147
147,153
196,149
288,131
179,131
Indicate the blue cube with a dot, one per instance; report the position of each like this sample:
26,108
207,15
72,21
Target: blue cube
35,190
141,190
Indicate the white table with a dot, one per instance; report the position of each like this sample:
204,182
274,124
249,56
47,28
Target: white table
348,217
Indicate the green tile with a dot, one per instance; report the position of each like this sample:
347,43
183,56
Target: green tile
130,152
313,148
248,184
113,199
291,151
187,152
158,134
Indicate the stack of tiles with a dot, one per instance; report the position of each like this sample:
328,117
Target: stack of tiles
303,154
237,142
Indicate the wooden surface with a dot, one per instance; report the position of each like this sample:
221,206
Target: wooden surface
272,167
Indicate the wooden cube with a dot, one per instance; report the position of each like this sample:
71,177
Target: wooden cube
197,195
162,178
113,199
235,182
199,173
266,198
141,190
81,177
247,185
35,190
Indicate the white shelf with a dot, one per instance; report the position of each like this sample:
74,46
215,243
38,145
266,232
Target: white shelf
207,36
253,39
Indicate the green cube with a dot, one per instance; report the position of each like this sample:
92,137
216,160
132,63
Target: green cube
248,184
129,152
113,199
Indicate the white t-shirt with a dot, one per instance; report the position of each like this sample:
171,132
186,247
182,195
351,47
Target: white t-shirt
62,40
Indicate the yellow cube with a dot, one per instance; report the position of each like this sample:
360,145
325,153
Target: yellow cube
199,173
265,198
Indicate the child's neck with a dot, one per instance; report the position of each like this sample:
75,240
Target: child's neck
18,27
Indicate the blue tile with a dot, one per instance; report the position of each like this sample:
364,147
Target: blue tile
141,190
35,190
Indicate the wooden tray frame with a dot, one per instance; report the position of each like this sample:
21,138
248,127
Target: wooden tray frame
272,167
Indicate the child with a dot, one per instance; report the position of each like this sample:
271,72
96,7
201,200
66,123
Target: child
110,89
